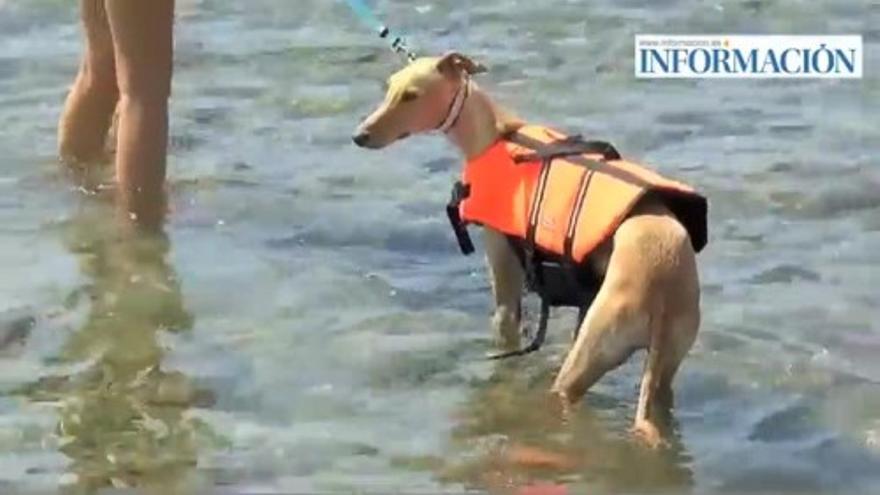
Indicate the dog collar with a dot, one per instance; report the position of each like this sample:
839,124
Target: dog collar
456,107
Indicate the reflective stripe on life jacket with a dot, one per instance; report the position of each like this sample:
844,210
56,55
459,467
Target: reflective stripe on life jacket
565,196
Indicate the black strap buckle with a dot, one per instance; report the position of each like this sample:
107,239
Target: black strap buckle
460,191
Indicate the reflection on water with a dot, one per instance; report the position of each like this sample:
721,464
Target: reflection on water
510,438
122,418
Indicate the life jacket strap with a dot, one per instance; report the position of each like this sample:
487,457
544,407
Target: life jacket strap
583,186
570,146
460,191
574,149
529,261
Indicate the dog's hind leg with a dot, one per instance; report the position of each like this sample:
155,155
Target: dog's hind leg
654,395
672,335
674,331
669,346
508,279
604,341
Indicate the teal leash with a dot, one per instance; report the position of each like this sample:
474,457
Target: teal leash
366,15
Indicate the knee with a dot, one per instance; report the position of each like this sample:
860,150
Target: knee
99,74
148,101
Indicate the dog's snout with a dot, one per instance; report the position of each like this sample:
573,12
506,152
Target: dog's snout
361,138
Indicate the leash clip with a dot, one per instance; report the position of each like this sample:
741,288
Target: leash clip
398,45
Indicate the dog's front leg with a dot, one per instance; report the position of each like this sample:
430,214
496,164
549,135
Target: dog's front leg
507,277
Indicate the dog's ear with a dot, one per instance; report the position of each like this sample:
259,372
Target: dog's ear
454,64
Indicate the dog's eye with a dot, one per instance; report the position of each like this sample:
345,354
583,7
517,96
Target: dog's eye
409,95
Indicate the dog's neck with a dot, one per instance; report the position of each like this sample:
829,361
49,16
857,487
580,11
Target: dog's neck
480,124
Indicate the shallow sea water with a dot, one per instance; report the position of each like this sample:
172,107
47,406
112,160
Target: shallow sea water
307,324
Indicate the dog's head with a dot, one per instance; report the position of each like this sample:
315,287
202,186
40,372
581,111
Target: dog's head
419,99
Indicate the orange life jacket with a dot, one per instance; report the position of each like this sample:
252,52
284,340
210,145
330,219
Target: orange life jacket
563,195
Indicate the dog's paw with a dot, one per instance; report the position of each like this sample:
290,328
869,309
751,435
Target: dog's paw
561,406
648,434
506,330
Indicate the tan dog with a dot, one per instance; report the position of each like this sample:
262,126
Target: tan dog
649,297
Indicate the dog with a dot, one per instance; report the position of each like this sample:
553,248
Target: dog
649,292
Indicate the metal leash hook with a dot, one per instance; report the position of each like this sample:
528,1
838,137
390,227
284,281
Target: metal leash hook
366,15
398,45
